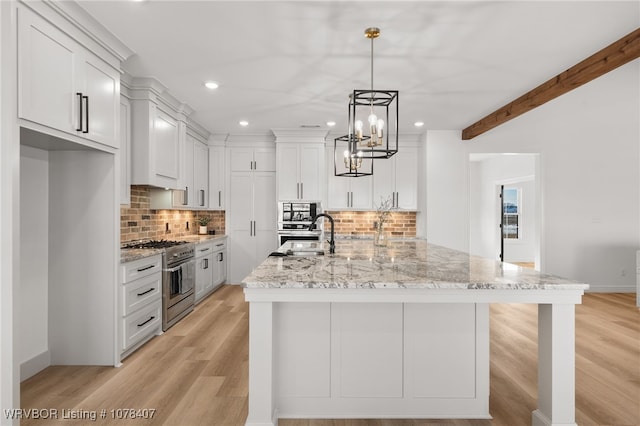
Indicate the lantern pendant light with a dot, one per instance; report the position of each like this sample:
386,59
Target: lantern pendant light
354,152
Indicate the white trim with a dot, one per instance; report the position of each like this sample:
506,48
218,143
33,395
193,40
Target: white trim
611,289
35,365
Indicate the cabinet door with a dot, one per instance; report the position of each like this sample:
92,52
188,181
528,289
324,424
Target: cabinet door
46,74
384,180
288,172
166,146
102,87
216,178
312,171
240,159
204,275
265,159
220,270
125,151
186,197
406,171
265,215
338,188
361,191
264,205
201,175
240,217
242,255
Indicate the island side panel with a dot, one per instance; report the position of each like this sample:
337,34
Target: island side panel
262,408
402,360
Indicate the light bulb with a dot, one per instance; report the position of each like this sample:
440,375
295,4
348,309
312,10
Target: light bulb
373,119
359,154
380,126
358,126
346,153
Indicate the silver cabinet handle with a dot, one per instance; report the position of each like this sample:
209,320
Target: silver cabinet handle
348,199
79,95
86,113
397,199
219,198
202,195
205,249
186,196
301,190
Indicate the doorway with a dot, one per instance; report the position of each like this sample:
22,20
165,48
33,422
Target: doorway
505,207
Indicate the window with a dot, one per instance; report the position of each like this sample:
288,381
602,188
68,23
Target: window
511,213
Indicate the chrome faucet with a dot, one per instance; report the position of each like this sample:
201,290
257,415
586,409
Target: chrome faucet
332,242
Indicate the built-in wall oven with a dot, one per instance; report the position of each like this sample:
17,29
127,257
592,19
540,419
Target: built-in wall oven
294,219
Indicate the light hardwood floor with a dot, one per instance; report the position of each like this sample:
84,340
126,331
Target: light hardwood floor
196,373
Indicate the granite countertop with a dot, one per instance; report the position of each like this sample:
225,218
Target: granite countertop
128,255
401,264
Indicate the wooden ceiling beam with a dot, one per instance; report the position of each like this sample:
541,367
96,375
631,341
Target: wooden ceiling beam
611,57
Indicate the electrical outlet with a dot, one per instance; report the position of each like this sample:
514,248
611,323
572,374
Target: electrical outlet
187,225
166,228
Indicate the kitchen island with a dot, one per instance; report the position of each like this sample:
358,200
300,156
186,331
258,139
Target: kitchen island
400,331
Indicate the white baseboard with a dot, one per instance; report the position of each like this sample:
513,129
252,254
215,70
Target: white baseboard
35,365
611,289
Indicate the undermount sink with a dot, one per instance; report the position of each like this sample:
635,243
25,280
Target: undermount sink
306,253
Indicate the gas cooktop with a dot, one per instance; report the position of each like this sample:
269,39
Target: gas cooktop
153,244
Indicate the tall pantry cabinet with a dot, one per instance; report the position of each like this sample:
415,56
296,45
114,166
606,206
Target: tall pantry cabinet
251,208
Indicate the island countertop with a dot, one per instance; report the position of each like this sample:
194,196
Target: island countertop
407,264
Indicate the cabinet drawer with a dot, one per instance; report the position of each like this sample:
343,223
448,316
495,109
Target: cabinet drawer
141,268
141,323
220,245
204,249
141,292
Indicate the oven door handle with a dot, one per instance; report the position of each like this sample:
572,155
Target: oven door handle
176,268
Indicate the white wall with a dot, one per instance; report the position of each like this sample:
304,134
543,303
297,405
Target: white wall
9,215
32,310
447,197
589,141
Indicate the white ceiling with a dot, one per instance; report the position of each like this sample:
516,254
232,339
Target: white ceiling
283,64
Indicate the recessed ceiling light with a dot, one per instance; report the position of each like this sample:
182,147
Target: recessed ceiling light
419,123
331,123
211,85
243,123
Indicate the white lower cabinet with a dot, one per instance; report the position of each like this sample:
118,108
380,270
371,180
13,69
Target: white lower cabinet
140,302
204,265
219,263
211,270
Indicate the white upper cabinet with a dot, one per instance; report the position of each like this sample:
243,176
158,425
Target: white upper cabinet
64,86
249,159
216,178
125,151
300,164
301,172
201,175
397,178
158,135
347,193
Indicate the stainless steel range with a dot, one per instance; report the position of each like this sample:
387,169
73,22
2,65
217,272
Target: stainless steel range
178,278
